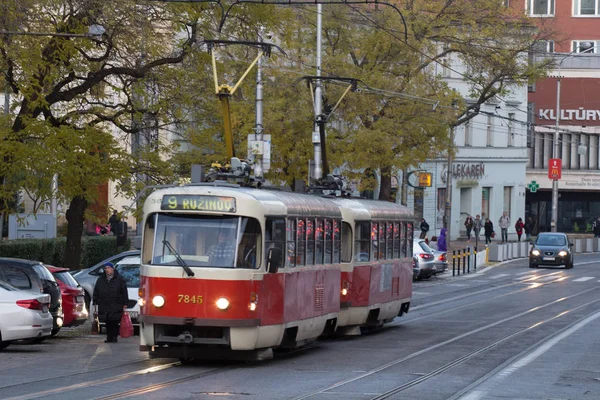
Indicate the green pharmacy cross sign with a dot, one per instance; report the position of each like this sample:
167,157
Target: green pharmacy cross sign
533,186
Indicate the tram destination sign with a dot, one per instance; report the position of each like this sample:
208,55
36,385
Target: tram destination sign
197,203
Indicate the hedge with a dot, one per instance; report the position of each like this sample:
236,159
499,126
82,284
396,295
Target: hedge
51,251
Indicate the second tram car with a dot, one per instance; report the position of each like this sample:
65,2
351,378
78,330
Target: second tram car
233,272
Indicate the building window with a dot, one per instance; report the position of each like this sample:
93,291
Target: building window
586,7
485,202
468,134
507,196
490,131
540,7
585,46
511,130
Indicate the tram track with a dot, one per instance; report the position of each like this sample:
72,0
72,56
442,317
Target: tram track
459,360
92,371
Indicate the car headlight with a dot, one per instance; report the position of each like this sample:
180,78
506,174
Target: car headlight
158,301
535,252
562,253
222,303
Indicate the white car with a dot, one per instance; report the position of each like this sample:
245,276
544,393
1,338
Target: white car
23,315
129,268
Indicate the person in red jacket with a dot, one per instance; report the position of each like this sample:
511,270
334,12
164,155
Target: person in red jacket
519,228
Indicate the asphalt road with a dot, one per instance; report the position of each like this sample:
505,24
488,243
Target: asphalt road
505,332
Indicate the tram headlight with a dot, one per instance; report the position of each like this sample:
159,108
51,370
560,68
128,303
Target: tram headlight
158,301
253,301
222,303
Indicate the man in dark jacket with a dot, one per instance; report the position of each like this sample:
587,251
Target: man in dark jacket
110,300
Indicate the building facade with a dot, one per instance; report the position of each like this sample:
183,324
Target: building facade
576,54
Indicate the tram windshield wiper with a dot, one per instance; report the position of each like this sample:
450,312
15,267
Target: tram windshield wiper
180,260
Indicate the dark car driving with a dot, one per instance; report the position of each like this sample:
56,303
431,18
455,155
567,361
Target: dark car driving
551,248
34,276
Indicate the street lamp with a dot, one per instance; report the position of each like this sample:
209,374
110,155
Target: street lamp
554,222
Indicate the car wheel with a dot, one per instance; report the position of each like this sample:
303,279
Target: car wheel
531,265
4,345
54,331
569,266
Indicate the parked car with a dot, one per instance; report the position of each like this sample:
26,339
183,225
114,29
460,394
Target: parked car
23,315
441,262
551,248
87,277
34,276
425,259
129,269
73,302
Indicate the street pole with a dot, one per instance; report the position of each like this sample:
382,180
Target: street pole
555,150
6,112
448,209
316,136
258,163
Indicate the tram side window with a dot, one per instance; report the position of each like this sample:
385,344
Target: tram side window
375,240
409,234
389,238
328,241
362,241
310,241
337,241
274,235
301,241
319,241
403,239
397,227
291,243
382,248
346,242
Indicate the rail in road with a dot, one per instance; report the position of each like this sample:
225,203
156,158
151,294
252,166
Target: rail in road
538,313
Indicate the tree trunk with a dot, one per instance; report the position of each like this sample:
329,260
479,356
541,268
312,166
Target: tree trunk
75,214
385,187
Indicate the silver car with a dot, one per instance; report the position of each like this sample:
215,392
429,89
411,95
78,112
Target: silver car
441,262
424,264
87,277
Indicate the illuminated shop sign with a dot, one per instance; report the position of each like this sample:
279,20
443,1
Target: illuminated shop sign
579,114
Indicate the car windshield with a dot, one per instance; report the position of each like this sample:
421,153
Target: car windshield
66,278
551,240
204,241
131,273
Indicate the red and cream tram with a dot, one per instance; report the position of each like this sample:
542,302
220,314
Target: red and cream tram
236,272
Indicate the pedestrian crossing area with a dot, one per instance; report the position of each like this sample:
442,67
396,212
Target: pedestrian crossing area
536,276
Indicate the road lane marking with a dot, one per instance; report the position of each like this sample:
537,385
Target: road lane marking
498,276
583,279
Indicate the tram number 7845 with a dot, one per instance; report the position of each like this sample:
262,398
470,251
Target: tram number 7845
186,298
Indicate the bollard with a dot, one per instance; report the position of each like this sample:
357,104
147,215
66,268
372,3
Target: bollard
468,260
458,257
475,262
464,262
453,262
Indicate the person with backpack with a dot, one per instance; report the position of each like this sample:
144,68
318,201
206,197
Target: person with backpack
519,228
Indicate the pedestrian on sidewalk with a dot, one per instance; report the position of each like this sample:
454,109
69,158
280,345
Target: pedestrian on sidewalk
469,226
477,225
442,243
519,228
596,227
488,229
528,228
424,228
504,223
110,300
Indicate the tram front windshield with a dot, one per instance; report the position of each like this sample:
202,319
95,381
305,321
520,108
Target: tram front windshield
204,241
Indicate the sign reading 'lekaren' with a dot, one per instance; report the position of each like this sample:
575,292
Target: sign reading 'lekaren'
198,203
